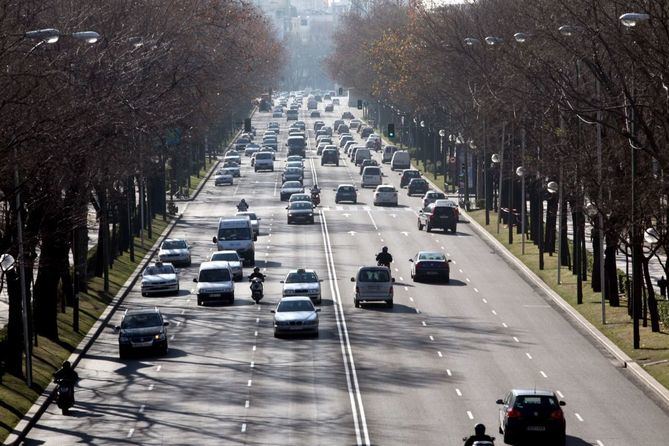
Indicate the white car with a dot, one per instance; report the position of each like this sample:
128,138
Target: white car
160,278
233,259
431,196
385,195
371,176
223,177
233,168
302,282
263,161
214,283
295,315
250,149
175,251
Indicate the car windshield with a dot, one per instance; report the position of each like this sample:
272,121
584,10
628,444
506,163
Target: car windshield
305,277
263,156
141,320
300,197
292,185
230,234
346,189
531,402
300,205
418,181
174,244
214,275
372,171
155,270
412,174
225,256
294,305
374,275
431,256
386,189
250,215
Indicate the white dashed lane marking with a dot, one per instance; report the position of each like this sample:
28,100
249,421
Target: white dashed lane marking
448,372
516,339
457,391
440,355
130,432
470,415
543,374
528,356
580,418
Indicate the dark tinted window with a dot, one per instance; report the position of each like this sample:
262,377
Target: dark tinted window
374,275
444,210
142,320
214,275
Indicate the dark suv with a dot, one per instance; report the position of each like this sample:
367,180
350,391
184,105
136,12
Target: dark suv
408,175
330,156
346,192
418,186
531,414
438,217
142,329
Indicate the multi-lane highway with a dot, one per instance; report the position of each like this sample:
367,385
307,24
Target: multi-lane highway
420,373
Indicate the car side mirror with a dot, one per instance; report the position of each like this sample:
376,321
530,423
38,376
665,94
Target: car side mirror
166,323
449,260
499,402
562,403
215,240
117,328
255,237
286,207
281,281
352,279
392,280
194,279
272,311
317,310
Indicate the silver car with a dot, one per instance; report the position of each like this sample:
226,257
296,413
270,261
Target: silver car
255,220
233,259
303,282
175,251
295,314
373,284
160,278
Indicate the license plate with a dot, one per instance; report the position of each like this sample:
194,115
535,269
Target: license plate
215,295
432,273
536,428
142,344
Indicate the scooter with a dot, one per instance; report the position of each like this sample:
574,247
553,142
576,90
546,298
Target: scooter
256,289
481,442
316,198
64,395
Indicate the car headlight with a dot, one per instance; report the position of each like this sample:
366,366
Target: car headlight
159,337
123,338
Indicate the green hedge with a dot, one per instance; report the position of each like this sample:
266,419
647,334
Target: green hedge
663,307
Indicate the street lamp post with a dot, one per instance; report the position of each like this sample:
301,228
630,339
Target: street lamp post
423,148
442,133
495,158
520,171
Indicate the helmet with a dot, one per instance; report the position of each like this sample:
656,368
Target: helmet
479,429
67,365
256,270
243,201
384,249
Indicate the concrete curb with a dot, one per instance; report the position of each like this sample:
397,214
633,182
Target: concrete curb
645,378
39,406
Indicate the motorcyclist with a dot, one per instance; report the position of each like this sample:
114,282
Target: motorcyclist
257,274
67,374
479,435
242,206
384,258
315,189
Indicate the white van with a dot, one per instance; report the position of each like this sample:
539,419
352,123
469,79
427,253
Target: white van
401,160
237,234
362,154
371,176
388,152
214,283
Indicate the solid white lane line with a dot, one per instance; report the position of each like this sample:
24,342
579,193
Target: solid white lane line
516,339
247,404
457,391
580,418
130,432
448,372
440,355
373,222
243,427
470,415
528,356
543,374
141,408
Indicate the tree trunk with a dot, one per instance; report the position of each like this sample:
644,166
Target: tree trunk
596,282
53,256
611,290
652,302
565,260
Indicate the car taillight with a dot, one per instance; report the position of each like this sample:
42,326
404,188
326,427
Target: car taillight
513,413
557,415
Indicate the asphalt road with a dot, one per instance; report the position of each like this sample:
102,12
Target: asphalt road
423,372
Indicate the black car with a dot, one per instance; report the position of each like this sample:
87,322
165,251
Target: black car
346,192
366,131
418,186
438,217
315,114
330,156
347,115
142,329
329,108
408,175
532,415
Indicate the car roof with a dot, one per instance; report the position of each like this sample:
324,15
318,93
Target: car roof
293,298
538,392
226,251
301,270
216,264
367,268
130,311
445,202
345,185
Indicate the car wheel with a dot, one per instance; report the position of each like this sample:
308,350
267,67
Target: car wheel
337,164
122,352
428,228
454,229
389,303
355,201
357,303
336,201
288,221
507,438
199,302
276,335
311,221
318,302
144,294
164,349
420,226
316,335
189,263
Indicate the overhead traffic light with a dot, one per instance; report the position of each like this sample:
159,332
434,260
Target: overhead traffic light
391,130
359,104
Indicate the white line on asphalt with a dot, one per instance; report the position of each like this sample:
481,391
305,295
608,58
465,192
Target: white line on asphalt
257,320
344,342
256,333
183,311
401,279
440,355
457,391
130,432
528,356
151,386
396,269
178,323
599,443
158,368
253,364
254,348
543,374
453,261
381,239
431,338
417,311
141,408
406,288
476,290
516,339
448,372
470,415
246,404
411,299
580,418
484,300
504,325
494,312
468,279
172,338
424,324
243,427
249,383
442,248
559,394
460,270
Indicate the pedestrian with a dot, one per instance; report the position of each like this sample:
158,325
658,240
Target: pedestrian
662,283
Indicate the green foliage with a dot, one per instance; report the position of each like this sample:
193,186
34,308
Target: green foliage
663,308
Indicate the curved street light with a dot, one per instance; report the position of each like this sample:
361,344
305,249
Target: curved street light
521,37
87,36
48,35
632,19
552,187
471,41
568,30
493,40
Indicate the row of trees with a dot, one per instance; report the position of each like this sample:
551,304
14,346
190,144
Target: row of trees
563,88
110,123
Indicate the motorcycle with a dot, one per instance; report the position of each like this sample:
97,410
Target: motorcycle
256,289
481,442
242,207
316,198
64,395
